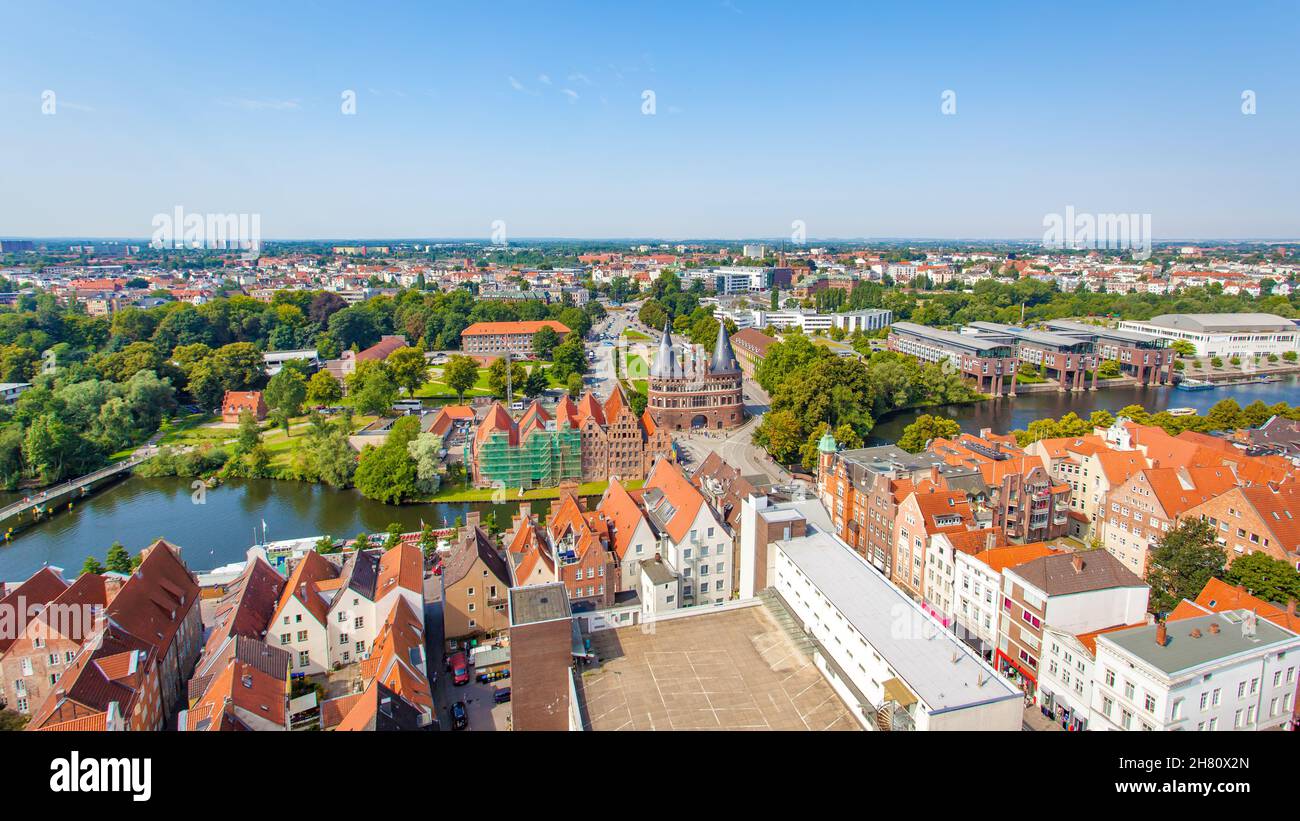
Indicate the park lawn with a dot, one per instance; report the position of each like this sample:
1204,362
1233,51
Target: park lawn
512,494
634,336
438,389
281,448
176,431
636,367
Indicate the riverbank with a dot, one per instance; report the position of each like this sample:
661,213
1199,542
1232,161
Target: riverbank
516,495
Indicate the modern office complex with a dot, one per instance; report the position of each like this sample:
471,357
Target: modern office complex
1066,359
1147,358
991,362
1224,335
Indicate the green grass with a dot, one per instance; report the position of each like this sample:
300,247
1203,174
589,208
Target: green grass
634,336
512,494
438,389
175,431
636,367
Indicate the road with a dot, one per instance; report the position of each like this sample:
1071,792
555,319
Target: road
736,447
483,713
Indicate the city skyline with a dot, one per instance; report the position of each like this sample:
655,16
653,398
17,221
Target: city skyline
762,116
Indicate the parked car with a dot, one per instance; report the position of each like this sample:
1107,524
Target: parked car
501,696
459,716
459,669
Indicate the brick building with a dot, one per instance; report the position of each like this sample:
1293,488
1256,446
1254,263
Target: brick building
990,362
688,390
1076,592
486,341
236,403
1260,518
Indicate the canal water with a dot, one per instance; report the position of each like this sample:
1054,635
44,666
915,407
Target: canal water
136,511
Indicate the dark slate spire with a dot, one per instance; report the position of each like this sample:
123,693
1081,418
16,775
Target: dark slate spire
724,358
665,364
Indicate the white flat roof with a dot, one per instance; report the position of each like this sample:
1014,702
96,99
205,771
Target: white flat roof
942,671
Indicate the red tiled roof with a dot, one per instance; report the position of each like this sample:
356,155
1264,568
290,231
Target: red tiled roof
522,327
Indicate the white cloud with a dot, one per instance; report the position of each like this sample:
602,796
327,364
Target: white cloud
516,85
571,94
542,78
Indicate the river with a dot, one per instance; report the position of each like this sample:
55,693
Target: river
135,511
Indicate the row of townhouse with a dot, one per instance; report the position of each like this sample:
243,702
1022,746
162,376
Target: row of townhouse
1248,499
1226,661
635,554
106,652
332,607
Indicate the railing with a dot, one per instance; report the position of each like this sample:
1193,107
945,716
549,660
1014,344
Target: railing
72,484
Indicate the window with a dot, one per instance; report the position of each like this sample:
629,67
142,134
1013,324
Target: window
302,635
358,622
343,638
284,638
303,658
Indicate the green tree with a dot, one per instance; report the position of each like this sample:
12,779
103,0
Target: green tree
779,433
285,394
1184,560
1108,369
1224,415
118,559
1273,580
249,436
372,389
91,565
544,341
388,473
460,373
536,383
408,368
1183,348
570,357
926,427
574,385
12,721
323,389
53,450
326,544
394,537
496,376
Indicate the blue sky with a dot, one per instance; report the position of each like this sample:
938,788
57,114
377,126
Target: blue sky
766,113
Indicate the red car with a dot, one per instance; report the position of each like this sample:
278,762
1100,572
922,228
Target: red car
459,670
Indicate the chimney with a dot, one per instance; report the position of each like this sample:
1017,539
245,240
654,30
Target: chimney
1162,634
1196,633
471,518
1077,563
1214,628
990,539
934,474
1290,607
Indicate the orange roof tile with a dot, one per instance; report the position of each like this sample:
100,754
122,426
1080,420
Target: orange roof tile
1000,558
522,327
